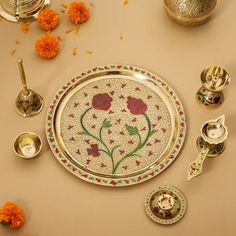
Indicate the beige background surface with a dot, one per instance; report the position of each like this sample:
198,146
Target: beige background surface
56,202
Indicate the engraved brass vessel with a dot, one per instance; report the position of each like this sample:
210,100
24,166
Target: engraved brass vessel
189,12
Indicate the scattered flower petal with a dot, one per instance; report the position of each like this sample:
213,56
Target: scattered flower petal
125,2
77,30
59,38
13,51
65,5
74,51
17,42
25,27
89,52
69,30
121,36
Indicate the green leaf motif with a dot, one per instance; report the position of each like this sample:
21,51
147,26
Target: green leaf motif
106,123
132,130
153,132
82,133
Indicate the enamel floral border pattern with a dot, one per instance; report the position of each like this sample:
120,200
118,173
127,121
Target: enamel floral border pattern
115,181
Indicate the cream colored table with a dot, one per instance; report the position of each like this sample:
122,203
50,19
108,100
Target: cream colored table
56,202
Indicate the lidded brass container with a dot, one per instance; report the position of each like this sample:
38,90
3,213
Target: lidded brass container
189,12
21,10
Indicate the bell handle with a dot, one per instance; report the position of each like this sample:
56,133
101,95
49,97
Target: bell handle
22,75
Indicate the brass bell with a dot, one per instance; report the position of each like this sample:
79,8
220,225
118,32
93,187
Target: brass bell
28,102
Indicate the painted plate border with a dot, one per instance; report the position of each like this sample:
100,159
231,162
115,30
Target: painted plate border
116,181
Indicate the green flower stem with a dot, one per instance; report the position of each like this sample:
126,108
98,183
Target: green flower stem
110,154
139,146
101,150
149,131
83,127
99,139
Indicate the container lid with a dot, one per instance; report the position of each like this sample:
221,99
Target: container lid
165,205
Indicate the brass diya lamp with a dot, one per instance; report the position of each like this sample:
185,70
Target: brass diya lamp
211,143
214,80
21,10
189,12
28,102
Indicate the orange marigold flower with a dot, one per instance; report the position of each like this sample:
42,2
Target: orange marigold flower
48,19
12,215
78,12
47,46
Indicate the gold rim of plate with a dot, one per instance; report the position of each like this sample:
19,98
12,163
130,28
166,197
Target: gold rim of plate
137,75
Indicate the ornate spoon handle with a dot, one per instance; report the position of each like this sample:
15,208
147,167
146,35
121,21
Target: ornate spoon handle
195,167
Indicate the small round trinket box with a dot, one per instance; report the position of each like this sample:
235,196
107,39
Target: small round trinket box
27,145
165,205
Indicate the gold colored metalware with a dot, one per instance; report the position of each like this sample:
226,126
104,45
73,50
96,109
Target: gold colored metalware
68,143
28,102
189,12
211,143
22,10
166,205
214,80
27,145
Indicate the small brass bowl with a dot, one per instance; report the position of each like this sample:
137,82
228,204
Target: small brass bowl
27,145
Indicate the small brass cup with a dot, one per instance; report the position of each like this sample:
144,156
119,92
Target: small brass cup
27,145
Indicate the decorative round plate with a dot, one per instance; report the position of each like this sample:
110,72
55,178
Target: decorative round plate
116,125
165,205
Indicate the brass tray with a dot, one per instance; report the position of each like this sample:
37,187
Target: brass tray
116,125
